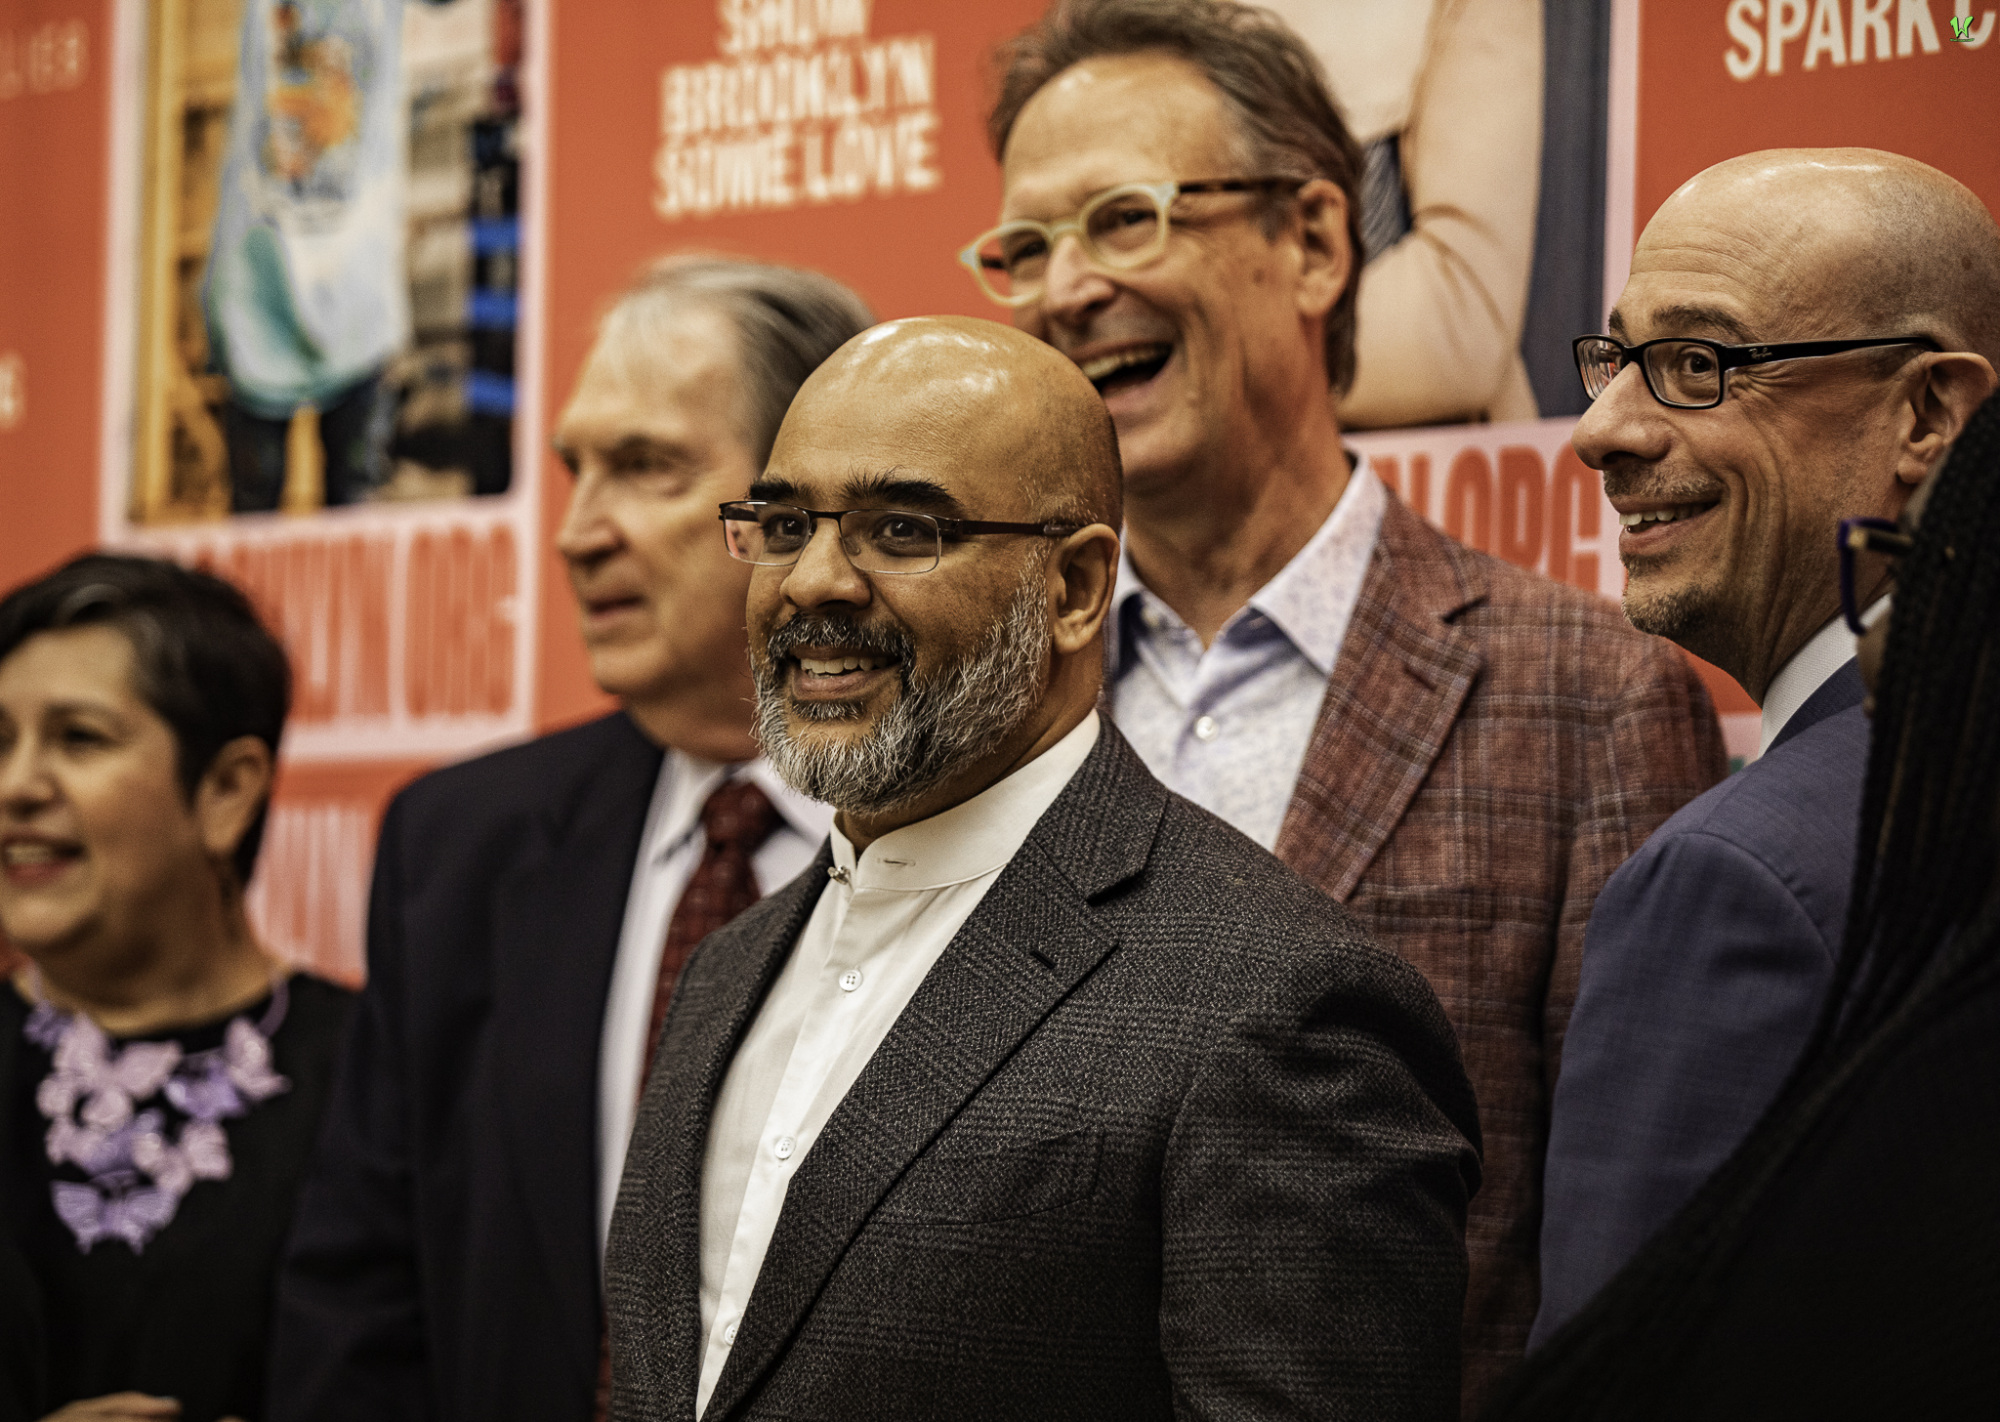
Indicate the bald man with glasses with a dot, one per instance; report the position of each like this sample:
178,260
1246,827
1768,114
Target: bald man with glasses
1803,333
1042,1093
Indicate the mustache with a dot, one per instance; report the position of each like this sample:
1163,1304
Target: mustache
819,630
1626,478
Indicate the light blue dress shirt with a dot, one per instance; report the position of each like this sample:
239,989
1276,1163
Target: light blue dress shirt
1228,725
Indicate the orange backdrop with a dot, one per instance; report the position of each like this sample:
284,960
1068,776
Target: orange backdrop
840,134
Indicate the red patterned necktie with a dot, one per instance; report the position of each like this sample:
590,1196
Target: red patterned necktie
737,819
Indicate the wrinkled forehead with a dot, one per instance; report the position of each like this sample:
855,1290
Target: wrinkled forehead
1744,264
1113,120
676,380
918,450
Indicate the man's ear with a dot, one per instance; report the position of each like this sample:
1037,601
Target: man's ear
235,787
1955,383
1083,572
1327,258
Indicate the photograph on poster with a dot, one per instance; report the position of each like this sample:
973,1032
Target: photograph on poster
333,310
196,371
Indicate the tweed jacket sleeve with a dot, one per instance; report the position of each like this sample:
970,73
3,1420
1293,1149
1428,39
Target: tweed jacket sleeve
1492,746
1161,1135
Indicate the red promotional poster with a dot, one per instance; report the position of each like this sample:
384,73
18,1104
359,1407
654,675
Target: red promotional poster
475,180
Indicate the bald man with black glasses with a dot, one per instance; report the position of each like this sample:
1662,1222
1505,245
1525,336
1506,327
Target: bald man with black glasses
1803,333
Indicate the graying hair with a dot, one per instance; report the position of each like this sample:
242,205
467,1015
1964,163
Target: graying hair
1287,121
787,321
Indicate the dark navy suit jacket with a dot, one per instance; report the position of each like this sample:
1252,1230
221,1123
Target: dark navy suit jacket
1703,968
443,1263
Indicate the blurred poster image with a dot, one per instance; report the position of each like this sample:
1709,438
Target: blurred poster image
331,240
1481,125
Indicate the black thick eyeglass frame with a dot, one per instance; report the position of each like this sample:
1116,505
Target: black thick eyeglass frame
1875,535
745,511
1727,358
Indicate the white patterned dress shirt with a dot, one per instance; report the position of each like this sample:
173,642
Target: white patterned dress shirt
1228,725
877,930
669,850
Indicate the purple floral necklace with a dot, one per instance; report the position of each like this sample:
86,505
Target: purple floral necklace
139,1165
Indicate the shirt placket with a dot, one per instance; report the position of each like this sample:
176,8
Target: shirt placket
783,1142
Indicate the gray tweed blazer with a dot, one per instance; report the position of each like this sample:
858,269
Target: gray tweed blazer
1162,1134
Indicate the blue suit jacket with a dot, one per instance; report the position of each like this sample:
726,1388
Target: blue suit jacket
1703,968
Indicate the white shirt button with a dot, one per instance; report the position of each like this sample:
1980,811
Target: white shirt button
783,1147
850,980
729,1334
1206,730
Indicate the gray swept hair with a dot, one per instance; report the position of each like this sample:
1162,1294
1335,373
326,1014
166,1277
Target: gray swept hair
787,321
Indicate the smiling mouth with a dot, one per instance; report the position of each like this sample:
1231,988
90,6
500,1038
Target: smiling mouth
1120,369
841,666
1672,514
31,854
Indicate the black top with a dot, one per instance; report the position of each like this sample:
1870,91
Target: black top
1869,1281
188,1316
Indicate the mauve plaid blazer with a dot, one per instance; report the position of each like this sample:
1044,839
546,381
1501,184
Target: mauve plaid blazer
1160,1135
1492,745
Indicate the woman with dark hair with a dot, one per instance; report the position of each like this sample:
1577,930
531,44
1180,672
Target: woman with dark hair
161,1073
1845,1262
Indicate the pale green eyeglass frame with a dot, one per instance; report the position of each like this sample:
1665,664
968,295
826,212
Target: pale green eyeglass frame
1162,194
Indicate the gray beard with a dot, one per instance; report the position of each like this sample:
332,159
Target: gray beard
935,726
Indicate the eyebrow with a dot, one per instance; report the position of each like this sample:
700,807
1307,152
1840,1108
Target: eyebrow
625,448
1691,319
890,488
893,489
104,709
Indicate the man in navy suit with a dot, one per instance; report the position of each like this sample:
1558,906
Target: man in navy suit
1731,456
531,908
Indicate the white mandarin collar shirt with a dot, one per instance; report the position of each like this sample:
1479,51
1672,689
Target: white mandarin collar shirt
670,849
1825,652
1228,725
884,918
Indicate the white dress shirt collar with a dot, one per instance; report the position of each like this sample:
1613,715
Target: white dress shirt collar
1825,652
1312,598
685,783
974,837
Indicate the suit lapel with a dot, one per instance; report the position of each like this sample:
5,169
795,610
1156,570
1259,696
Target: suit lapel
1840,692
1025,948
654,1262
556,928
1402,677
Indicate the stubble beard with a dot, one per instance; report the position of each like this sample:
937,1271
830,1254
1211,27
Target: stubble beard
936,724
1658,598
1684,615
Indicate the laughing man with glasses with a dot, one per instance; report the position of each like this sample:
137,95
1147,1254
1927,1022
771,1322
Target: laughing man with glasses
1458,750
1802,334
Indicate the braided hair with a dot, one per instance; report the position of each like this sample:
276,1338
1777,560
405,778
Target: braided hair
1923,929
